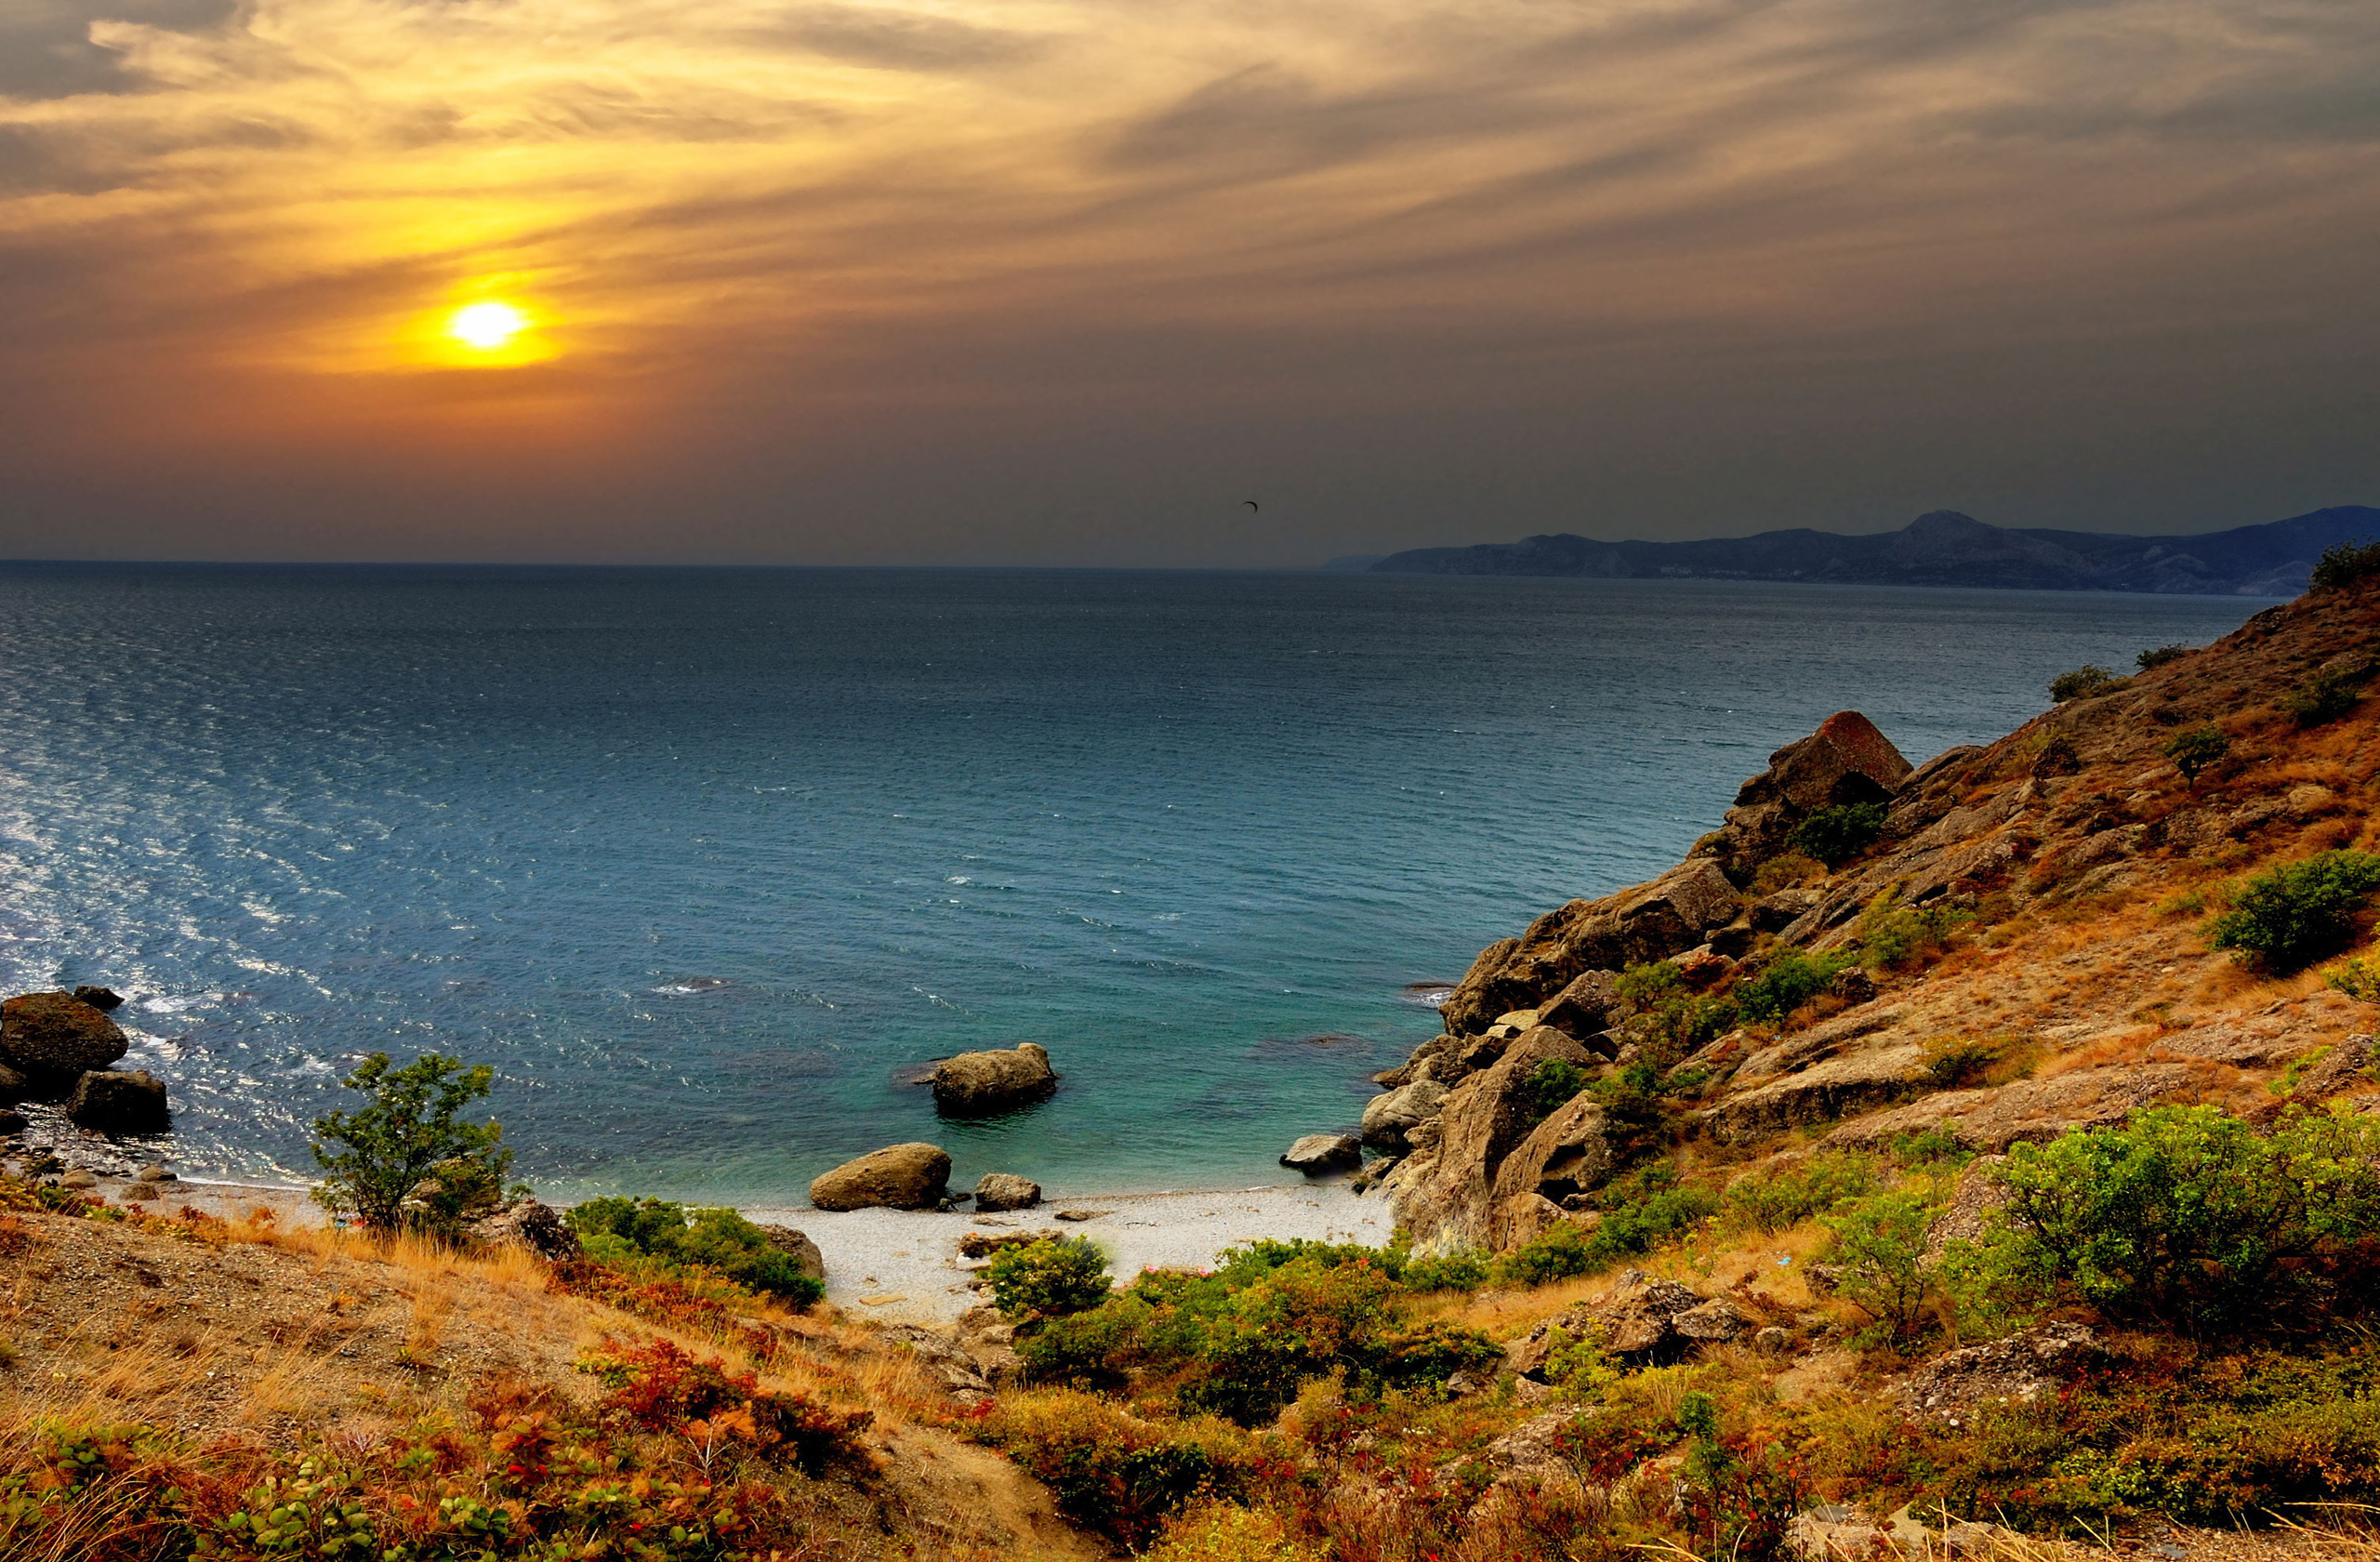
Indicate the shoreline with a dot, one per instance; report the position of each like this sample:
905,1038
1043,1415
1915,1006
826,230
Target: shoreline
903,1266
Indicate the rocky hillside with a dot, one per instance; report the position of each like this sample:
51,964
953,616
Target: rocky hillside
2012,942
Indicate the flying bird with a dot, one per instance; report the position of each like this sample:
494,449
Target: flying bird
1250,504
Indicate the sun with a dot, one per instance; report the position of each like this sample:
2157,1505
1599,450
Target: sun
486,328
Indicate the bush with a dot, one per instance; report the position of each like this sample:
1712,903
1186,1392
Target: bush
2187,1215
406,1162
2289,917
2345,563
1641,987
1111,1471
1049,1280
2360,979
1550,1087
2083,682
1464,1270
1894,938
1836,835
2197,749
1783,871
656,1386
1880,1246
2323,699
1790,979
1638,1215
2161,655
1432,1352
1772,1201
1954,1062
1301,1320
1221,1532
717,1239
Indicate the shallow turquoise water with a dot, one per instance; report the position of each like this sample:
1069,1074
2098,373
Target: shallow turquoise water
704,861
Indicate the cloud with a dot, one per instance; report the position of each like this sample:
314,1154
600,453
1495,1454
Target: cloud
887,255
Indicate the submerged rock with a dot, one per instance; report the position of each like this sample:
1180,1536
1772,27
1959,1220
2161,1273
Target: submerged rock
912,1176
53,1036
973,1085
99,997
110,1102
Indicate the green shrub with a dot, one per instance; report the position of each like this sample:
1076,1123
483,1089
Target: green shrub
1211,1531
1047,1280
2189,1216
1897,937
1880,1247
1301,1320
403,1161
2083,682
2345,563
2359,978
1111,1471
1772,1201
1464,1270
1550,1087
1790,979
716,1239
1432,1352
1640,986
1638,1215
2323,699
2161,655
1836,835
2288,916
2197,749
1555,1255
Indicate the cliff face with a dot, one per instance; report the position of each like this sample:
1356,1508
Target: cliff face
2021,948
1942,548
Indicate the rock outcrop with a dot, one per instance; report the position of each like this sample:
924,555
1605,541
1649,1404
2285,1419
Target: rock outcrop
977,1084
1640,1321
912,1176
1444,1191
531,1227
1846,761
108,1101
2018,1369
1388,1119
53,1038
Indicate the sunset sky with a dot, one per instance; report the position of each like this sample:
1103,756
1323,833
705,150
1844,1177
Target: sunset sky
1066,280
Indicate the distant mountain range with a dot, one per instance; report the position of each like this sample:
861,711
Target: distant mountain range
1942,548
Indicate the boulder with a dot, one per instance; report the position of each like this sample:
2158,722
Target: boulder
99,997
1002,1190
2017,1370
973,1085
2346,1066
110,1102
55,1037
1444,1191
1644,923
1823,1091
1585,1007
1846,761
803,1252
2025,1110
14,1085
531,1227
1566,1154
1715,1321
1636,1320
1834,1533
1318,1153
913,1176
1387,1119
12,1122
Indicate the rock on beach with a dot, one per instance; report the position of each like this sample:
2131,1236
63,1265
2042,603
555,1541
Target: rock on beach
975,1084
132,1102
1324,1152
1002,1190
913,1176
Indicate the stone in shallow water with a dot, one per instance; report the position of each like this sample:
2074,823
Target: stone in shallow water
131,1102
1324,1152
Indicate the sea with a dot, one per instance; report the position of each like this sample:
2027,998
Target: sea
710,864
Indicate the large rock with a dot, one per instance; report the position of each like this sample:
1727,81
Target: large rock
973,1085
1318,1153
126,1103
531,1227
1445,1192
1636,1320
912,1176
1644,923
1388,1119
799,1248
100,997
1824,1091
1846,761
1002,1190
1566,1154
15,1084
55,1037
2018,1369
1585,1007
2026,1111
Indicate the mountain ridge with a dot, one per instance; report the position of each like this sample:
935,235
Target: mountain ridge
1941,548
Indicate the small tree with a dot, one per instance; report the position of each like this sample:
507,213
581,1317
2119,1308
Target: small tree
1836,835
403,1161
1879,1242
2291,916
2196,749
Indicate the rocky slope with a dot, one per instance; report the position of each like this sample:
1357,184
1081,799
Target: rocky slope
2022,947
1942,548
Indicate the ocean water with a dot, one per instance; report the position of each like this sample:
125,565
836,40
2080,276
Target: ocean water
706,863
